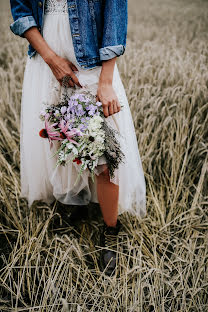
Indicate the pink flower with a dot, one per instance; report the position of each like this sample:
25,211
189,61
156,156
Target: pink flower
65,134
49,132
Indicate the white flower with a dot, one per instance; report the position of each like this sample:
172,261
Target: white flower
69,146
95,123
97,119
62,156
99,139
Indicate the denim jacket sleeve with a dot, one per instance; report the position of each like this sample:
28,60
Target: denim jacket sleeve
114,29
22,15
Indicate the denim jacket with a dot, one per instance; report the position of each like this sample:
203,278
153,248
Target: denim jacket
98,27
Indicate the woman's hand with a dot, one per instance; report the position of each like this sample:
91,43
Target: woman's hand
63,70
61,67
105,93
107,96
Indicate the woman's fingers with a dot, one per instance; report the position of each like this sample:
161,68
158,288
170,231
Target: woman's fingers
73,67
71,83
118,106
75,80
107,96
67,81
64,70
70,80
115,108
104,105
110,108
69,76
105,110
73,76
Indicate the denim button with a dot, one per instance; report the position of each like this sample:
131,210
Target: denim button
40,4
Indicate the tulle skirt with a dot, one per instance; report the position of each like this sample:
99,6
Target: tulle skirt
40,178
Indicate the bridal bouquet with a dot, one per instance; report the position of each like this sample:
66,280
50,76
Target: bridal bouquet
78,123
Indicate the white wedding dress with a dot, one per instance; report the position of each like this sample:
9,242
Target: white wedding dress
40,179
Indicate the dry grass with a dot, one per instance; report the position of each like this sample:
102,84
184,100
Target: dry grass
46,267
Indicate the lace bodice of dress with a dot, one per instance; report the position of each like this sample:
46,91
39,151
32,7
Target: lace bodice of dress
56,6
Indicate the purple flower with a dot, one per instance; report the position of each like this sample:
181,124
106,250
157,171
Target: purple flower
75,97
47,116
63,110
83,119
98,103
43,112
79,107
56,114
91,113
79,97
87,100
92,109
82,127
80,110
67,117
71,104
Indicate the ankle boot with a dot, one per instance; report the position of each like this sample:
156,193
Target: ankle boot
72,214
79,213
108,255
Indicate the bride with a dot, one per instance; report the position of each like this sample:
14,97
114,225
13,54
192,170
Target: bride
78,42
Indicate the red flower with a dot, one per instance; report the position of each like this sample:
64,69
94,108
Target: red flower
77,160
43,133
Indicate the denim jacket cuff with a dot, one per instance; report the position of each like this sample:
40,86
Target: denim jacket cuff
110,52
22,24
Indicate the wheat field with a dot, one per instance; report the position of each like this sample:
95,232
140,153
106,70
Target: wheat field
163,258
